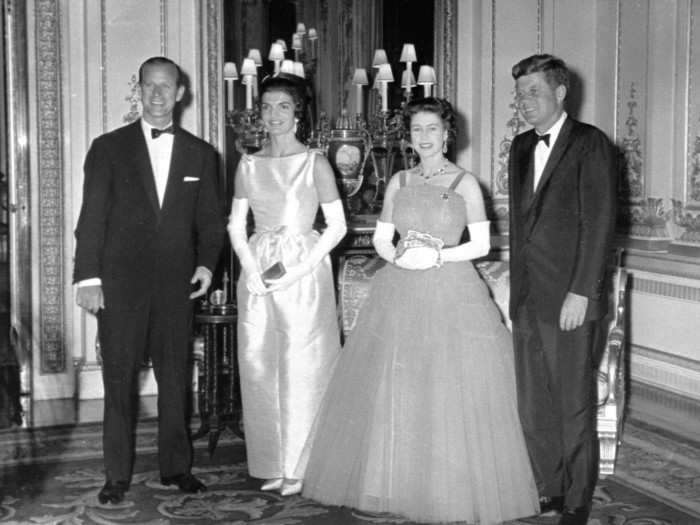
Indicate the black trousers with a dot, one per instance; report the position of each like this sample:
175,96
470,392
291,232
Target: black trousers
127,338
556,403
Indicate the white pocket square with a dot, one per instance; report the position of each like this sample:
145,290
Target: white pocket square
190,179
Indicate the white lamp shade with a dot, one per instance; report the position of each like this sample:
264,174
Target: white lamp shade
230,71
426,75
281,42
379,58
276,52
299,69
255,55
313,35
301,28
360,77
384,74
296,41
287,67
408,53
407,79
248,67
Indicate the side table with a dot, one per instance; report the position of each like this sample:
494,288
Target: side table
217,381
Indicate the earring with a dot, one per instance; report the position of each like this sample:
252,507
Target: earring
296,122
444,147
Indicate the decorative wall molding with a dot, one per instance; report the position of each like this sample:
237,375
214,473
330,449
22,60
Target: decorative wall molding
163,27
692,182
665,390
632,182
103,63
445,47
50,186
666,289
665,371
213,49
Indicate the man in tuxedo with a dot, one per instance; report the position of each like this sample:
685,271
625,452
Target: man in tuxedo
148,238
562,180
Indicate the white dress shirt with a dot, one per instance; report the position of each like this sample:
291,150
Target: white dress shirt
542,151
159,150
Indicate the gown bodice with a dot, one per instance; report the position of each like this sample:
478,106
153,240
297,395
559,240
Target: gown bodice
437,210
281,191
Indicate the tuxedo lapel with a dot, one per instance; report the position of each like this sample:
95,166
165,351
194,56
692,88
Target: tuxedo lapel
139,149
526,163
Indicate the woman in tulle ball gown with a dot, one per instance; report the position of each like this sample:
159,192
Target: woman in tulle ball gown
420,416
288,337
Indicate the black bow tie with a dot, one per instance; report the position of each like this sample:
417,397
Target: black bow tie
155,132
544,138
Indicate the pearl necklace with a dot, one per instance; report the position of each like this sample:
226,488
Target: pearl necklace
437,173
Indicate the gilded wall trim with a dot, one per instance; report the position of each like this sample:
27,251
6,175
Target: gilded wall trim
50,187
692,182
163,28
445,44
103,62
214,14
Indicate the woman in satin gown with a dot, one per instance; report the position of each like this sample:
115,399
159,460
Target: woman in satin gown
420,416
288,336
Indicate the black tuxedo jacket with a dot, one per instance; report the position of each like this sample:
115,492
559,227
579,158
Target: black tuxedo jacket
560,233
140,250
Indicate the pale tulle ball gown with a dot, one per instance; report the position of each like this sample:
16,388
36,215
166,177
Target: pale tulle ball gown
420,415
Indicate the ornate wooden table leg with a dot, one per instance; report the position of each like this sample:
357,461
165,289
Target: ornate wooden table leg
216,388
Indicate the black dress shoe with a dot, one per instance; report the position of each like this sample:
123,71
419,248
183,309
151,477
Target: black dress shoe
185,482
577,516
113,492
551,505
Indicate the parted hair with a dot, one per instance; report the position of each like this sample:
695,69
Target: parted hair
439,106
555,70
160,61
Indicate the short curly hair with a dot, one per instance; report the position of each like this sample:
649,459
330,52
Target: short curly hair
297,88
440,107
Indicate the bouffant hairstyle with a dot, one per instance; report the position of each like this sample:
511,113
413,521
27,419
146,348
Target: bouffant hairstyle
555,71
438,106
300,92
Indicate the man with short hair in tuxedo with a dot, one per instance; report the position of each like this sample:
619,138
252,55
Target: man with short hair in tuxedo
562,183
147,241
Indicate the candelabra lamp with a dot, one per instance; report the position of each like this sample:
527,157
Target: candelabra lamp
364,151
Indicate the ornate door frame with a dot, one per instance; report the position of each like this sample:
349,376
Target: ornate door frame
14,14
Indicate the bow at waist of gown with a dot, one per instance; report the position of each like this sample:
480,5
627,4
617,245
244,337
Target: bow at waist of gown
285,243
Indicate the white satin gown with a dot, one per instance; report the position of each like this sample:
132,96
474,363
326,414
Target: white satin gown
287,340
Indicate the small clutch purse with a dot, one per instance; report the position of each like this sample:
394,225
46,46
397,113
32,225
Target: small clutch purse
414,239
275,271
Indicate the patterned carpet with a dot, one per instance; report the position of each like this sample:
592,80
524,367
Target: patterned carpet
52,476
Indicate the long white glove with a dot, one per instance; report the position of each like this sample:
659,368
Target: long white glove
478,245
383,240
331,236
239,240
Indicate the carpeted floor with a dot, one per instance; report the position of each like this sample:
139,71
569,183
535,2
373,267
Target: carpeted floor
52,476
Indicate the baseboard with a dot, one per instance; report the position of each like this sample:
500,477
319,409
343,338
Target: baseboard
669,412
55,412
